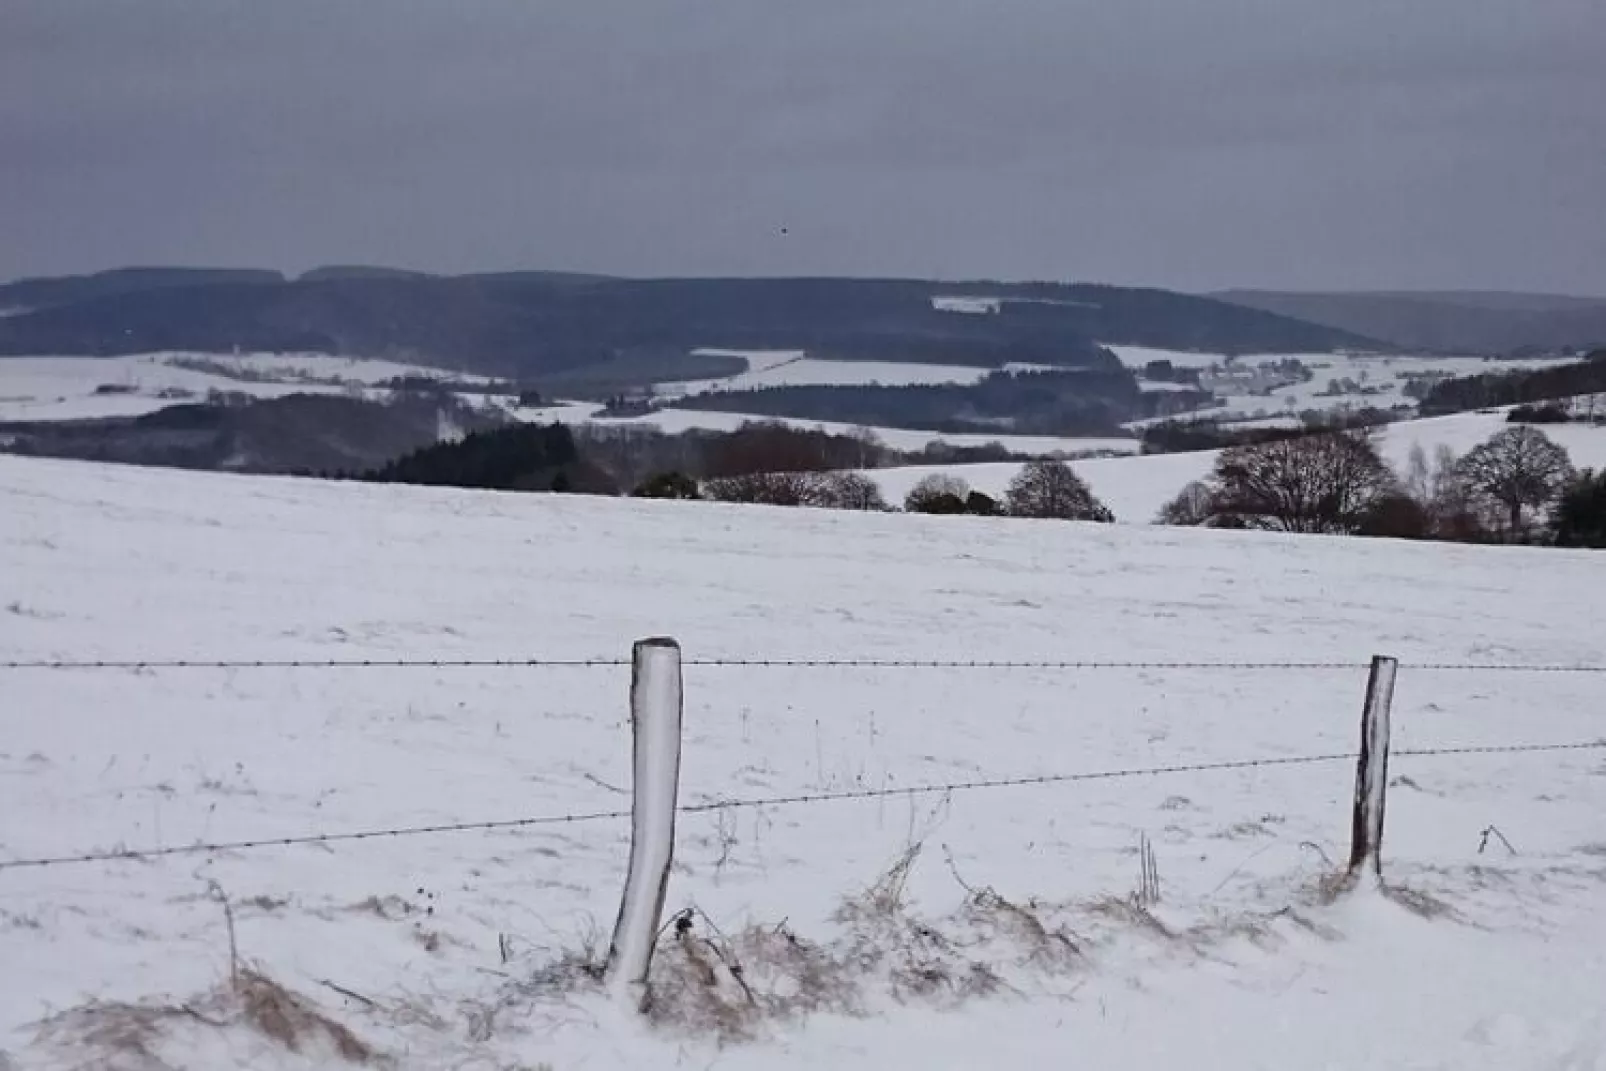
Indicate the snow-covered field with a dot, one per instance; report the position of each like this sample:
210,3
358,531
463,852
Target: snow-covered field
800,371
679,420
1136,487
1381,372
428,947
64,388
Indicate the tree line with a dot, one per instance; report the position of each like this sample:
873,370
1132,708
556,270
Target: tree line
1517,486
1087,401
1045,488
1187,436
1585,377
616,459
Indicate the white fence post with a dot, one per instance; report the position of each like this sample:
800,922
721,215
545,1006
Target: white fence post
1372,771
655,716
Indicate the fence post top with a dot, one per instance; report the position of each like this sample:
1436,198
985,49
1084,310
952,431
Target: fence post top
658,642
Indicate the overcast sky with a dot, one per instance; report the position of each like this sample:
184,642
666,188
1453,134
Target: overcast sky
1184,143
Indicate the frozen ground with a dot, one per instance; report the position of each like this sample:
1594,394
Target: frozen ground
64,388
433,941
1136,487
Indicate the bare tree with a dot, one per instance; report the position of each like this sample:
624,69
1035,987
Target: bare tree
1448,505
938,493
1318,483
1518,468
870,445
1418,481
845,490
1194,505
1052,489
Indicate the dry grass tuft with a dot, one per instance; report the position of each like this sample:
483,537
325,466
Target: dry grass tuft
884,898
1051,949
1333,885
734,988
695,987
292,1021
112,1036
1131,912
1422,904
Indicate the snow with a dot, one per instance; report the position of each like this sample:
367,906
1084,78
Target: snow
1136,487
107,562
674,421
63,388
1137,356
1585,443
1384,371
757,360
972,306
809,372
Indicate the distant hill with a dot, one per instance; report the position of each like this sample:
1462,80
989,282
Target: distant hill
358,271
1445,321
532,325
67,289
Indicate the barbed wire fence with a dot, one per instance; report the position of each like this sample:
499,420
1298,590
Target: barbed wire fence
136,665
656,710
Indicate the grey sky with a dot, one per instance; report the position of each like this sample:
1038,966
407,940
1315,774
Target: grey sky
1186,143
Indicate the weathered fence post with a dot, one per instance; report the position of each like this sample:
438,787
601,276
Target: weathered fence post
1371,773
655,715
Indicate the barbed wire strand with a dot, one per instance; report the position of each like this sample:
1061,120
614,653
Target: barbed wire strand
762,663
778,801
1496,667
333,663
307,839
1497,749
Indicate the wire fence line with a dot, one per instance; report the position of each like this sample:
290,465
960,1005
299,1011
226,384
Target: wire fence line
710,806
768,663
332,663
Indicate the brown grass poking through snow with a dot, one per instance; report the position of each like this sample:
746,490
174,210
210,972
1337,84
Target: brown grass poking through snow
292,1021
113,1036
733,988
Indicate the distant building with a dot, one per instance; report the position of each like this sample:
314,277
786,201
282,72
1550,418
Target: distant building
1226,382
974,306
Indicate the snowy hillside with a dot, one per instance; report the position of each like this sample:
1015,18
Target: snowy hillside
1136,487
1376,380
439,950
77,388
792,368
679,420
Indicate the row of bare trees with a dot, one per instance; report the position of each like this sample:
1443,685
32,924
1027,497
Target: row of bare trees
1340,484
820,490
1044,489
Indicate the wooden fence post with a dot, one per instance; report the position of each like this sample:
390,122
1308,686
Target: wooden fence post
1372,771
655,717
